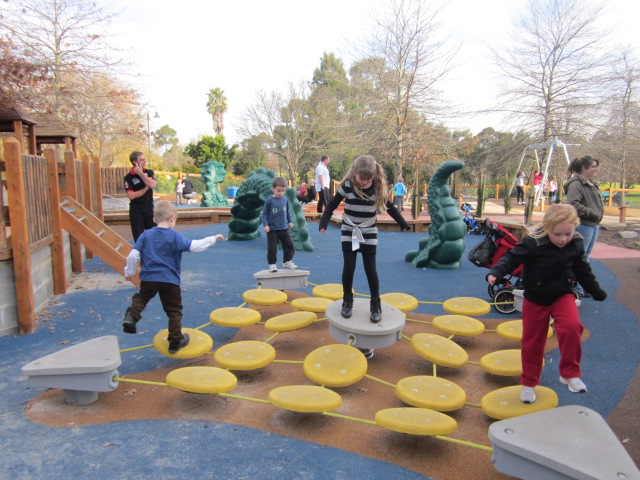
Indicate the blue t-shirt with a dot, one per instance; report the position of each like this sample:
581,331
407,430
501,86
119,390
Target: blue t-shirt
276,214
161,254
399,189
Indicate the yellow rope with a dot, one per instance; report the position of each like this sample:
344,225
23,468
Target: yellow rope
419,321
473,363
251,399
371,377
145,382
202,326
135,348
463,442
502,303
347,417
404,336
272,337
431,303
476,405
288,361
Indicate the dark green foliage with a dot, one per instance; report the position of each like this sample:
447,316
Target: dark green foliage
210,149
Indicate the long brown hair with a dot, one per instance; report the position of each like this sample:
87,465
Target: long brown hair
366,167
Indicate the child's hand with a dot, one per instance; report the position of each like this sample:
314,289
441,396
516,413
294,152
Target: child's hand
322,230
220,237
128,279
266,229
291,225
491,279
406,229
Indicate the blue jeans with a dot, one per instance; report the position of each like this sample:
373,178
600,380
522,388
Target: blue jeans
590,235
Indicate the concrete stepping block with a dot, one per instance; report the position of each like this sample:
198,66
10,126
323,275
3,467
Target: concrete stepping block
284,279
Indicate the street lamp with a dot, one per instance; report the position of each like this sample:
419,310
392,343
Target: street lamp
149,131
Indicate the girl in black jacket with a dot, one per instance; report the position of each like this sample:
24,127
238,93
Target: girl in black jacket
553,258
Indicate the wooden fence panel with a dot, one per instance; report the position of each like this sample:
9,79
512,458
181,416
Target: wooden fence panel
113,180
36,188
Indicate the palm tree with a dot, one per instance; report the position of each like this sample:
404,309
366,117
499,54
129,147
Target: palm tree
217,107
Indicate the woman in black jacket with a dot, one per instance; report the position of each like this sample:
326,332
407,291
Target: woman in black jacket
553,259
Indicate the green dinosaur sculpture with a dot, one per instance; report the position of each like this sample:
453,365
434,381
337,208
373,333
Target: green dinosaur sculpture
445,245
212,175
245,221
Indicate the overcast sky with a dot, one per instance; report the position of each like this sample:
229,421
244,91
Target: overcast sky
183,49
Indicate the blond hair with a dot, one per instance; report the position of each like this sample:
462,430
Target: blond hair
163,211
366,167
556,214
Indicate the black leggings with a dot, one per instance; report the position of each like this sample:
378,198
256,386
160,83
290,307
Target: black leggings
370,269
520,197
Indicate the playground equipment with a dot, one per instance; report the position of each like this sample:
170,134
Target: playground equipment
212,175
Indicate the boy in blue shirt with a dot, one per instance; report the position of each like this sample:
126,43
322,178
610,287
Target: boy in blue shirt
399,189
276,218
159,250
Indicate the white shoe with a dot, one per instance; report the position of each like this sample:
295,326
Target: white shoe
290,265
575,385
273,268
527,395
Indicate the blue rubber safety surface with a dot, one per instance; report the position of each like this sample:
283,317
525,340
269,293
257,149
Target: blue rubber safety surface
217,278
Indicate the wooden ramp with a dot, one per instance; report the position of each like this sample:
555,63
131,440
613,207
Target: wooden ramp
95,235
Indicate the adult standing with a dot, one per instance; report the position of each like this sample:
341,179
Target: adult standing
520,178
187,191
399,190
323,181
139,184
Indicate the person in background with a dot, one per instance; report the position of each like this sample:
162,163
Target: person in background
277,220
537,186
399,190
553,190
520,179
179,190
139,184
323,182
187,192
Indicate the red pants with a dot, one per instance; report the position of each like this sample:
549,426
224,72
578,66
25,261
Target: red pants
535,325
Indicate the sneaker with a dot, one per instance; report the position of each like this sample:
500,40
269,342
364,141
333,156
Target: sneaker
184,341
367,352
290,265
527,395
273,268
584,294
575,384
129,324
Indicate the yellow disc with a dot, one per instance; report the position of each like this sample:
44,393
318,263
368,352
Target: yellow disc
505,402
439,350
416,421
335,365
311,304
332,291
264,296
431,392
290,321
459,325
472,307
245,355
502,362
199,344
202,380
512,330
402,301
234,317
305,398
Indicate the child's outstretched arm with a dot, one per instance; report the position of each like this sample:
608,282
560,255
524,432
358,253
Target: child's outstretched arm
397,216
204,243
133,260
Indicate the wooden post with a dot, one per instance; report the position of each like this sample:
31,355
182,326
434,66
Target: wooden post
87,197
623,214
98,187
57,247
20,235
72,191
31,131
17,131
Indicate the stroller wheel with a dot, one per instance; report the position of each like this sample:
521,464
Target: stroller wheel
477,229
493,289
504,295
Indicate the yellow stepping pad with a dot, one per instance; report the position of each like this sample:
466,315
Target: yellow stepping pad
503,362
469,306
459,325
505,402
512,330
402,301
290,321
199,344
439,350
311,304
264,296
234,317
305,398
202,380
245,355
332,291
416,421
335,365
434,393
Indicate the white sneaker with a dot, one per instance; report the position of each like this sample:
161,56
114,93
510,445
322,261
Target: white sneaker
575,384
273,268
290,265
527,395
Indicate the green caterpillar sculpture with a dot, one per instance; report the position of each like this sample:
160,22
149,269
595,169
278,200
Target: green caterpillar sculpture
212,174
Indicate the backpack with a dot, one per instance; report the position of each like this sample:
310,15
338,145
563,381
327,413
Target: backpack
482,253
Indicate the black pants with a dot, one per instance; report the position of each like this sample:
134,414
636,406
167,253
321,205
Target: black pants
520,194
279,236
370,269
140,220
171,299
321,200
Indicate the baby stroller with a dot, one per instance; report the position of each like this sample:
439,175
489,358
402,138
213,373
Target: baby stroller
489,252
473,225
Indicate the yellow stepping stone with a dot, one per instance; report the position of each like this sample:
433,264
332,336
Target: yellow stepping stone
434,393
311,304
202,380
305,398
402,301
264,296
332,291
469,306
439,350
335,365
290,321
245,355
512,330
503,362
459,325
505,402
416,421
234,317
199,344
